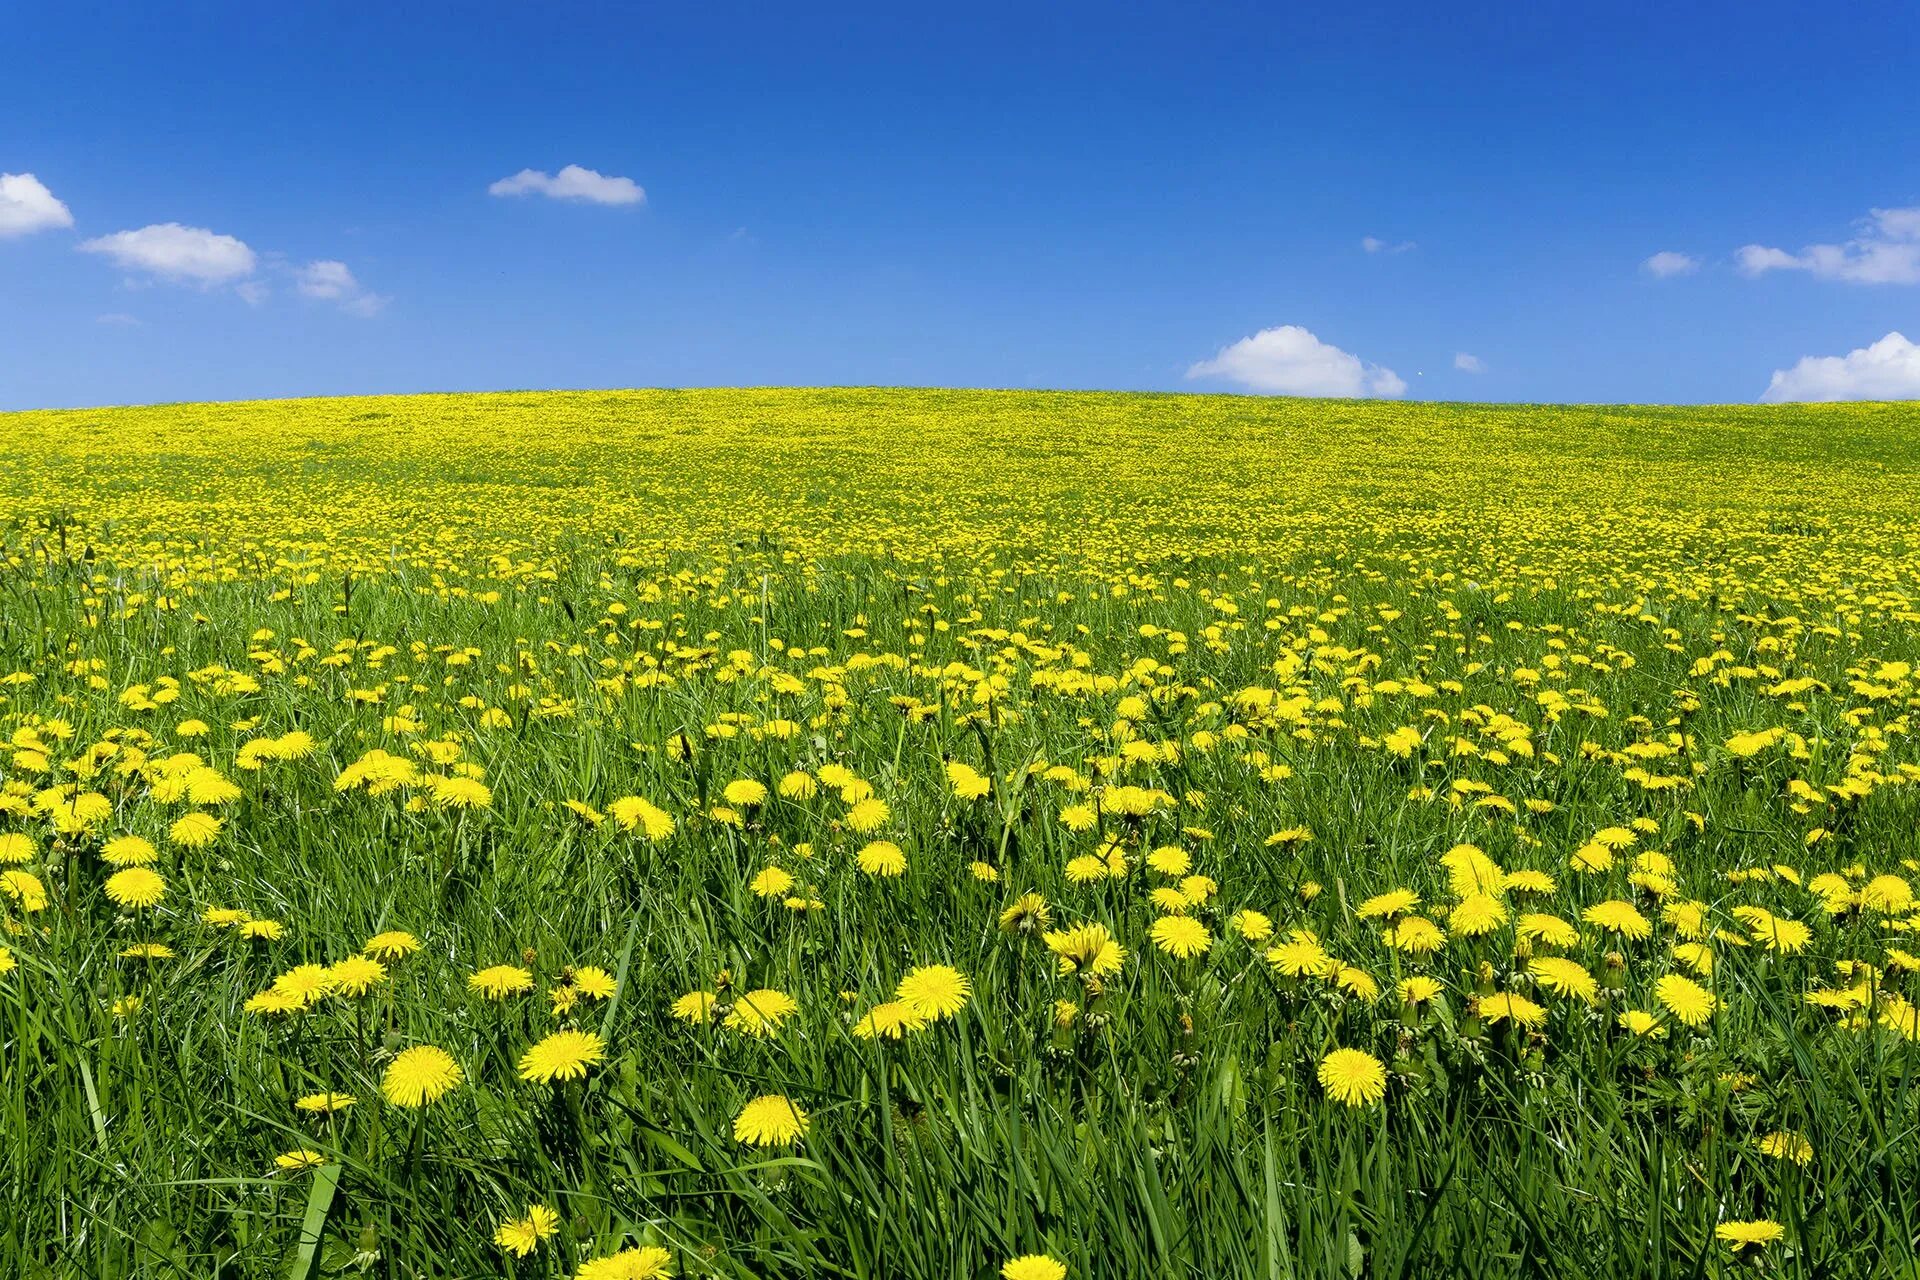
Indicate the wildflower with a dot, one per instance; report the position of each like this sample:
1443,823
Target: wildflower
147,951
356,975
1416,935
461,793
1760,1232
1394,903
293,1161
1527,880
195,830
1503,1005
1642,1023
421,1075
1196,889
1301,955
1418,989
1353,1077
1617,916
1078,817
1170,860
262,930
564,1055
136,887
1182,937
24,888
760,1013
1252,925
882,858
1028,912
649,1262
747,793
1564,977
521,1236
770,1121
392,945
1685,999
772,882
868,815
323,1104
594,982
1086,868
500,981
1088,949
967,782
1033,1266
695,1006
889,1021
635,814
934,991
126,851
1402,741
1784,1145
1477,914
306,983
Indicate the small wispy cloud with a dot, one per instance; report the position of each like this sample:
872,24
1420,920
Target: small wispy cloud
1289,360
1374,244
182,255
1467,363
1886,251
571,183
27,206
1666,264
332,281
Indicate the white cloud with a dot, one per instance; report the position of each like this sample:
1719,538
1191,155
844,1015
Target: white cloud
1666,264
252,292
1887,251
1887,370
118,319
333,282
26,206
1373,244
173,252
1291,361
1469,363
571,183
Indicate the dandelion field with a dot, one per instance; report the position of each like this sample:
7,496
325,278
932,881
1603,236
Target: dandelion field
959,834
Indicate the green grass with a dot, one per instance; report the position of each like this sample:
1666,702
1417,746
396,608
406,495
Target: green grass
663,592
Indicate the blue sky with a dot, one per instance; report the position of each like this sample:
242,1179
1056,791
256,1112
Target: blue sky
1122,196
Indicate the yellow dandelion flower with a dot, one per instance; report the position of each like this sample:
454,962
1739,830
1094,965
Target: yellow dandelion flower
521,1236
648,1262
934,991
1685,999
882,858
564,1055
1033,1266
136,887
500,981
1758,1232
421,1075
1353,1077
770,1121
1182,937
760,1013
